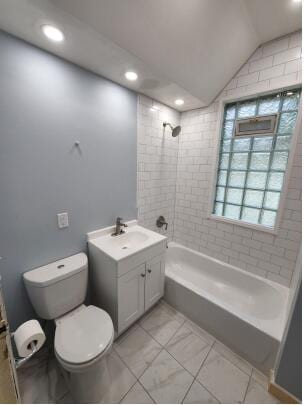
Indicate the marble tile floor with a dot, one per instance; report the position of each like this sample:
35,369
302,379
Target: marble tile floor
163,358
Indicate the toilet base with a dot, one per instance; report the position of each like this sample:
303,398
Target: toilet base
88,387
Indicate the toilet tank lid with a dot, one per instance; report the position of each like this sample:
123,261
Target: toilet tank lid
56,271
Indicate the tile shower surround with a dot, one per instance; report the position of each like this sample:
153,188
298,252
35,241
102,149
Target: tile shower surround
174,174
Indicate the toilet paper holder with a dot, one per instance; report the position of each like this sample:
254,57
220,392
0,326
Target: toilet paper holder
19,361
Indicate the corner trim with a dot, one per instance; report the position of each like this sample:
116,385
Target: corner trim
277,391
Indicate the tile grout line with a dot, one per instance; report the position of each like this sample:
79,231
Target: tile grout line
136,379
161,348
235,354
165,348
213,344
182,368
124,363
211,347
249,381
127,392
126,333
195,377
146,392
182,401
249,375
163,345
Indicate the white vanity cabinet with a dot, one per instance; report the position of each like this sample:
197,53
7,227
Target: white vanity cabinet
126,285
139,289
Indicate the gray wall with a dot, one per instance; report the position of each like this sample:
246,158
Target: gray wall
289,369
46,104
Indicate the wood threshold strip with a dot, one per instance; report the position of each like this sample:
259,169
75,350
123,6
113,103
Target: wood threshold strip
280,393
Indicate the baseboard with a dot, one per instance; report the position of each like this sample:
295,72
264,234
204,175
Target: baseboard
277,391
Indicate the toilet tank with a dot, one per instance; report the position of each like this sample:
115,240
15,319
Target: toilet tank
58,287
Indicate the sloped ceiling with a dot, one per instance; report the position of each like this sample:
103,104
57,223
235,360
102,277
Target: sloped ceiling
185,49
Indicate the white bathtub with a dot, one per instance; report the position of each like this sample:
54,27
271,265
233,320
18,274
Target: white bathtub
244,311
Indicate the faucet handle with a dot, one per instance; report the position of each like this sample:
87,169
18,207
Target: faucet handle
118,222
160,222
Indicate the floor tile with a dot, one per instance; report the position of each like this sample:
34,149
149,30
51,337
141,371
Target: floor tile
165,380
33,382
233,357
162,323
260,378
57,385
172,310
137,395
199,395
257,394
41,380
200,332
116,380
223,379
66,399
188,349
125,334
138,350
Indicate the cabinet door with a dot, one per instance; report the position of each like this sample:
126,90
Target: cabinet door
155,281
131,297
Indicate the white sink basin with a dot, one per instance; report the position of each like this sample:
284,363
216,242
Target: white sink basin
135,239
129,240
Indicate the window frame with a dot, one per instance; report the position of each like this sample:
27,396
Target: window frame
297,132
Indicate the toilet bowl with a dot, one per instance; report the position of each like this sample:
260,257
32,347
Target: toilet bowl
83,338
84,334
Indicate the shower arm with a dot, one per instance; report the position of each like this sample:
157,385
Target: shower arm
168,123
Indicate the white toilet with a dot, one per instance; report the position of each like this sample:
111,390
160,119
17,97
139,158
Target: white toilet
84,334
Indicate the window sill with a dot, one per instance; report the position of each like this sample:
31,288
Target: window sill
244,224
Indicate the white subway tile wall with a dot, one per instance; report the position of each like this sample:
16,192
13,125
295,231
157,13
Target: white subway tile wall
156,164
174,174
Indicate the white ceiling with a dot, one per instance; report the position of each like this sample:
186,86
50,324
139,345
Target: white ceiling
186,49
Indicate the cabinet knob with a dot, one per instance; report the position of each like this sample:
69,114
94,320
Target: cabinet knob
149,271
143,275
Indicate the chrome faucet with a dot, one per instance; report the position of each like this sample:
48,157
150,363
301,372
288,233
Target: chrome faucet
119,224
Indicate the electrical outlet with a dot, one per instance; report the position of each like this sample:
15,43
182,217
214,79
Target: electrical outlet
63,220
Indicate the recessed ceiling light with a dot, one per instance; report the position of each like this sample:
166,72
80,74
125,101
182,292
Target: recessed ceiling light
179,101
131,76
52,33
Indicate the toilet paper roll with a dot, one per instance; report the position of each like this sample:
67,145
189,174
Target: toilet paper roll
27,333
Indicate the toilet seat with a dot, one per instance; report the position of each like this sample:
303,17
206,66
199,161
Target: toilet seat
83,336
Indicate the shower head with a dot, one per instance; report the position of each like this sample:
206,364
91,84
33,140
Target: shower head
175,130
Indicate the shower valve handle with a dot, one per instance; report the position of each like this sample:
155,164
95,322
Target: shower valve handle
160,222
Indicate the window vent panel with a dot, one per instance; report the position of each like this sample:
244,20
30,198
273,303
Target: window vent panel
255,126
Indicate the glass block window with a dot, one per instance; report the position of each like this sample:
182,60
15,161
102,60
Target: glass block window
252,167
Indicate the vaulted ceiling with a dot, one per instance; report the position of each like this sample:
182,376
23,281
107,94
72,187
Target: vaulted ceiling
186,49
